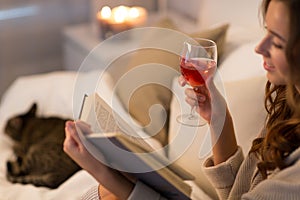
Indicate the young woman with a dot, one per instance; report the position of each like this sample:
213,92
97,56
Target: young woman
271,169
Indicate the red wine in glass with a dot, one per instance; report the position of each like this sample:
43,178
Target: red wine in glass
197,70
198,62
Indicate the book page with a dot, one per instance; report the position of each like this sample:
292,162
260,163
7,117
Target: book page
103,119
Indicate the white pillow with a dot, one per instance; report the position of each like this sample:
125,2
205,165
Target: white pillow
189,146
242,63
52,92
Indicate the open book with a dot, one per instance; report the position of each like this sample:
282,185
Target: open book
123,149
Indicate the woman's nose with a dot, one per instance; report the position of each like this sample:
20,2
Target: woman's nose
263,47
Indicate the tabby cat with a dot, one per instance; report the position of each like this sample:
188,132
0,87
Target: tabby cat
38,148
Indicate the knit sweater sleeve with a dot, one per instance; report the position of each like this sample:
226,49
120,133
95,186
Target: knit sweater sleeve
222,176
140,191
91,194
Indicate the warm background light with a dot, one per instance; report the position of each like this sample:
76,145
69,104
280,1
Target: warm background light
120,18
134,12
105,12
120,13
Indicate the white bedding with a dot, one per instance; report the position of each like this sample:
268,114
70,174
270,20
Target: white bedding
53,93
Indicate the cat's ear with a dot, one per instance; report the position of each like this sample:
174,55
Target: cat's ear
32,110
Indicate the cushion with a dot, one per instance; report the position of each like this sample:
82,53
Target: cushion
143,88
166,22
191,145
156,67
217,32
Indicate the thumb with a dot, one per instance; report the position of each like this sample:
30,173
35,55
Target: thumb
218,102
210,85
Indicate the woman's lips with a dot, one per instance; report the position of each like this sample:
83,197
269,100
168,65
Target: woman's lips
268,67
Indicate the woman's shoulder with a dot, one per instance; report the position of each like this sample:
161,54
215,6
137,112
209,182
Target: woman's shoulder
282,184
291,173
294,158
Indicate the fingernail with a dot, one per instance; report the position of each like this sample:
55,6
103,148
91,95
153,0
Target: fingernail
201,98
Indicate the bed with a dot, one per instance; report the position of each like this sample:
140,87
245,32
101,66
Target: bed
243,84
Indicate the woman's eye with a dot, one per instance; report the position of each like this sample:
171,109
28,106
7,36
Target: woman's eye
276,45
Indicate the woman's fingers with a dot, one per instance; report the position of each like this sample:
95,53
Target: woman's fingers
193,98
84,127
69,144
73,142
72,128
181,80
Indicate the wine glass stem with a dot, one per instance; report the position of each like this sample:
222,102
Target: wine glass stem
192,113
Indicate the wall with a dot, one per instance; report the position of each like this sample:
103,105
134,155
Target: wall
30,36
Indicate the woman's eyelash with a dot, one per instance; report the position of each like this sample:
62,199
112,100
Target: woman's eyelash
277,45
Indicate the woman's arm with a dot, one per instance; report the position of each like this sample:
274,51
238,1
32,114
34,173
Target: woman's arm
224,143
211,105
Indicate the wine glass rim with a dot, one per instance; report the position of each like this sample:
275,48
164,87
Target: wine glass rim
195,39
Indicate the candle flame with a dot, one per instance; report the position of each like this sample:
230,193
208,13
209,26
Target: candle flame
105,12
133,16
120,14
134,13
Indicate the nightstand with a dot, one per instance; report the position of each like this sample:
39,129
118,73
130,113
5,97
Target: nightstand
80,40
83,41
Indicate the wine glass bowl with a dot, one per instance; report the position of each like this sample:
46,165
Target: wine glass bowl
198,61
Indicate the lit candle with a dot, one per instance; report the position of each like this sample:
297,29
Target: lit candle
103,18
120,14
119,19
104,15
137,16
105,12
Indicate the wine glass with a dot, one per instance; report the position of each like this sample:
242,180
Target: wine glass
198,61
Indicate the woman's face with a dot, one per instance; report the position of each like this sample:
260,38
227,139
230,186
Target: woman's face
272,46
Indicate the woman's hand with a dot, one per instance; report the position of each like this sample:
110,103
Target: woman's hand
77,151
199,98
112,180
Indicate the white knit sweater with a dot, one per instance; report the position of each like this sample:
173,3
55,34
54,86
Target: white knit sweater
239,179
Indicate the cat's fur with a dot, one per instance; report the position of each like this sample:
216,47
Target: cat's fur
38,148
